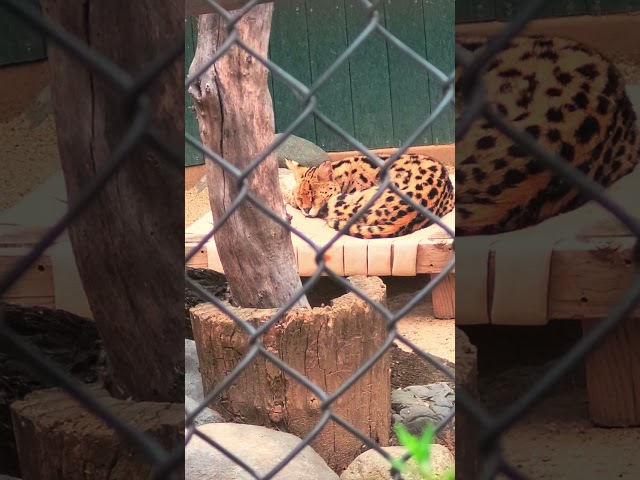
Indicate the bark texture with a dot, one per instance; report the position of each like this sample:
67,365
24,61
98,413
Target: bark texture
236,121
128,244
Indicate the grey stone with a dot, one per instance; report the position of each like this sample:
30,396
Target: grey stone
434,391
192,378
402,399
260,448
370,465
440,411
205,416
417,417
298,149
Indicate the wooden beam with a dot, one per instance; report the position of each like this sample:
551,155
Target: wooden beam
193,8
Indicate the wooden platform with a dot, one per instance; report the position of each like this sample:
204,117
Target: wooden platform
53,281
426,251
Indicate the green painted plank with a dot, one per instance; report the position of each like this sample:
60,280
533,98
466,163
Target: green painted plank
289,49
327,40
191,155
409,81
369,70
475,10
601,7
568,8
439,20
19,42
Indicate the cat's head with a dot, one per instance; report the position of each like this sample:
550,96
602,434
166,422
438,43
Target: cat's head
314,187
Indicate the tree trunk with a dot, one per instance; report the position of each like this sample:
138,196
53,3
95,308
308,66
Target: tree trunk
327,345
467,450
128,244
235,117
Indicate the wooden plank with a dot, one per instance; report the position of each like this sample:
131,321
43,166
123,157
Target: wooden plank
379,256
439,20
444,297
409,83
191,155
289,49
19,42
36,286
369,71
602,7
327,40
475,11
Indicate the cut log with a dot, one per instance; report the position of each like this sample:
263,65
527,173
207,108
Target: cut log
326,345
55,433
235,118
613,376
467,453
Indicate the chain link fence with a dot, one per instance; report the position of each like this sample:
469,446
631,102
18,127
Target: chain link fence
490,427
309,108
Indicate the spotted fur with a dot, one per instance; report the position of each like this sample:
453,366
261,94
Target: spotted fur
337,190
568,97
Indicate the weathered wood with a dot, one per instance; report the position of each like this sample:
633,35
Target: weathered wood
57,434
235,117
326,345
444,297
613,376
138,215
193,8
467,449
71,342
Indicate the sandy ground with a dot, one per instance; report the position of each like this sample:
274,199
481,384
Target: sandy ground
28,148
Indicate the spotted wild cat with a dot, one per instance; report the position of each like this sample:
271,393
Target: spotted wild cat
572,100
335,190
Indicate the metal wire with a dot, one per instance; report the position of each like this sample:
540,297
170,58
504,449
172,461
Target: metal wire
141,130
307,97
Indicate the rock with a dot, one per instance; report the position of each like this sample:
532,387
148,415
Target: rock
372,465
419,406
204,417
300,150
192,378
403,398
417,417
260,448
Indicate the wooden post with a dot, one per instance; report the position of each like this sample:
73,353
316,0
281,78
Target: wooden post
613,376
128,243
467,452
444,297
326,345
57,434
235,118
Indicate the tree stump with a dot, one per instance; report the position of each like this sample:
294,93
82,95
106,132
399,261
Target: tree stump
55,433
467,454
70,341
327,345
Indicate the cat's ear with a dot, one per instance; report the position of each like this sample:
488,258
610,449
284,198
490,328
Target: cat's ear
294,167
325,171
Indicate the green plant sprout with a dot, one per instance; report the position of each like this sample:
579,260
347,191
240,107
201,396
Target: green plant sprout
420,450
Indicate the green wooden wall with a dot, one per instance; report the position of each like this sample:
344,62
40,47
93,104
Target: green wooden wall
380,95
488,10
19,42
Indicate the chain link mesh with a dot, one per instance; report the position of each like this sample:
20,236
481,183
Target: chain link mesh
491,427
309,106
